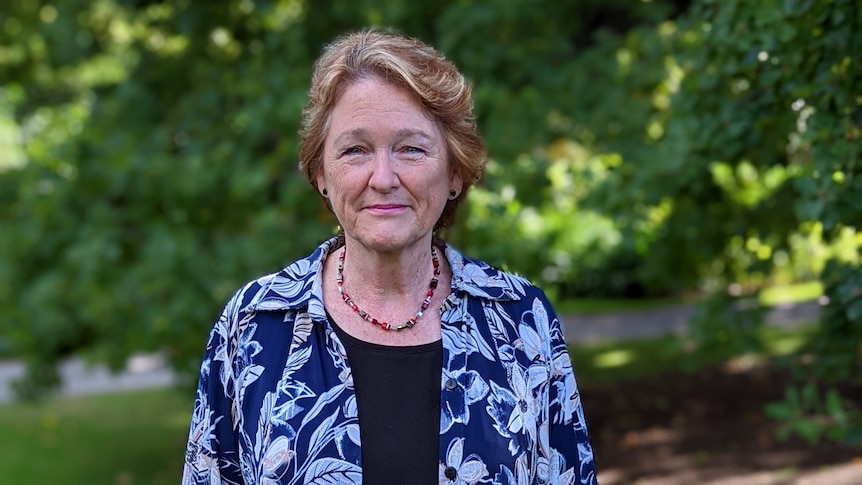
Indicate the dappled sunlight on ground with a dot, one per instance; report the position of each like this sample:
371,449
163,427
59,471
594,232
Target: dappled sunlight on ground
706,428
843,474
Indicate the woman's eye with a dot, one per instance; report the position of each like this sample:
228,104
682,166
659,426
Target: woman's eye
352,151
414,150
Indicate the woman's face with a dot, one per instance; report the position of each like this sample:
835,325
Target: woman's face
385,167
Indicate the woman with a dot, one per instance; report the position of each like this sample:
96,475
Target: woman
444,369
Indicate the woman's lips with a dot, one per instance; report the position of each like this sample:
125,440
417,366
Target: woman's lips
386,208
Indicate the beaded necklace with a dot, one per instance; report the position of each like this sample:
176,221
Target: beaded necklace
339,281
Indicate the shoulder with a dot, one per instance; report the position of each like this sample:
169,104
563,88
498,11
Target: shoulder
293,287
479,279
510,300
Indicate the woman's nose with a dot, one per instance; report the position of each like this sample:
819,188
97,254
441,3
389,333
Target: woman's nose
384,177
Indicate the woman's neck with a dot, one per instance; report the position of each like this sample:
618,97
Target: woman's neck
375,276
390,288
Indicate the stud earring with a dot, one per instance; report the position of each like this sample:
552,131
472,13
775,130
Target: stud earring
452,194
324,193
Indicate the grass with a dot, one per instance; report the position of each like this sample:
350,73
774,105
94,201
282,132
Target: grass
615,361
795,293
588,306
116,439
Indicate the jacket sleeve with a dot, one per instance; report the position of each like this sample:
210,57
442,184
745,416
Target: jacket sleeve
568,434
212,454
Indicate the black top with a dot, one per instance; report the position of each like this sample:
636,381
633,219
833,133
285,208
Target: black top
398,400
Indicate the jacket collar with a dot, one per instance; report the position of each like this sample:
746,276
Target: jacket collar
300,284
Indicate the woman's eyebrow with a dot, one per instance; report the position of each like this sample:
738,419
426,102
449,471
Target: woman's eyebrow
354,133
408,132
362,133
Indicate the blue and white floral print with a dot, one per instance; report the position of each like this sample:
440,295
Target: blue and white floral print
275,401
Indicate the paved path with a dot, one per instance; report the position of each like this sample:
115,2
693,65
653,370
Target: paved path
141,372
588,329
150,371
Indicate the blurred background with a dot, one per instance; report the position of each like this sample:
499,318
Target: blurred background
682,177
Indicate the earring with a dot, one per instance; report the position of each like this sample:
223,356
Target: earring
452,194
324,193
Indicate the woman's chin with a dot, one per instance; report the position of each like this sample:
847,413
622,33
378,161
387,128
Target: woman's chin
388,242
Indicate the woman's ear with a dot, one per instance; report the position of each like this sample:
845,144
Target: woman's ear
321,185
456,185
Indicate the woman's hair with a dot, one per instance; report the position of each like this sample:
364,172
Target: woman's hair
409,64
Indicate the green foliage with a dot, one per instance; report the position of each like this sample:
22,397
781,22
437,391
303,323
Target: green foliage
571,250
748,133
838,349
723,327
153,152
150,151
741,135
814,408
148,158
814,415
790,111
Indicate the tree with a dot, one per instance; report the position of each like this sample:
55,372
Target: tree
760,141
148,158
152,166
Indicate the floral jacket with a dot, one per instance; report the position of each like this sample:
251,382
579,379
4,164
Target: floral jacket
275,401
